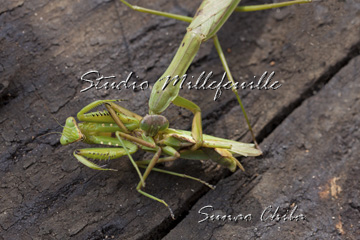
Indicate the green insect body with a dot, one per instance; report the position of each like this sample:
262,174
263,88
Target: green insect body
209,18
127,131
95,132
124,131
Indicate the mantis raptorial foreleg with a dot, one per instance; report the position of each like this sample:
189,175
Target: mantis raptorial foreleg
97,129
150,133
103,153
128,122
149,143
149,168
196,124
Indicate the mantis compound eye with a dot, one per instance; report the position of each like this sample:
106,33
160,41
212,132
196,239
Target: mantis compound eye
152,124
70,122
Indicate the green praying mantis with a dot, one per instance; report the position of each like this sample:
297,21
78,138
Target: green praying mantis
208,19
124,131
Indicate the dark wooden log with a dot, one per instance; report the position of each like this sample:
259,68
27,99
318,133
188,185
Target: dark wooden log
46,46
305,186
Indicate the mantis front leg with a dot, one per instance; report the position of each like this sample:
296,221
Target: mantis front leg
127,120
99,154
82,155
209,18
196,129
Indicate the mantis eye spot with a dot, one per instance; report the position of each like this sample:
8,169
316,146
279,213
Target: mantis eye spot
70,122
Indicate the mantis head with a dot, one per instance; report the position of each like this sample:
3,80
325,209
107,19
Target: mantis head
152,124
71,132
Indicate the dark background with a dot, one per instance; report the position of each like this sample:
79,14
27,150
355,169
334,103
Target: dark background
308,129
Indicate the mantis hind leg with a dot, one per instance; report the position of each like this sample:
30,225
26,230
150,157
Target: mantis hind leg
170,151
231,79
269,6
156,199
149,168
180,175
173,155
159,13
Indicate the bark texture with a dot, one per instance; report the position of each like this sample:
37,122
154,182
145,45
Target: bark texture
308,128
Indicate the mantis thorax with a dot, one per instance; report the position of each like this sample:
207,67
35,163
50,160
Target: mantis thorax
152,124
